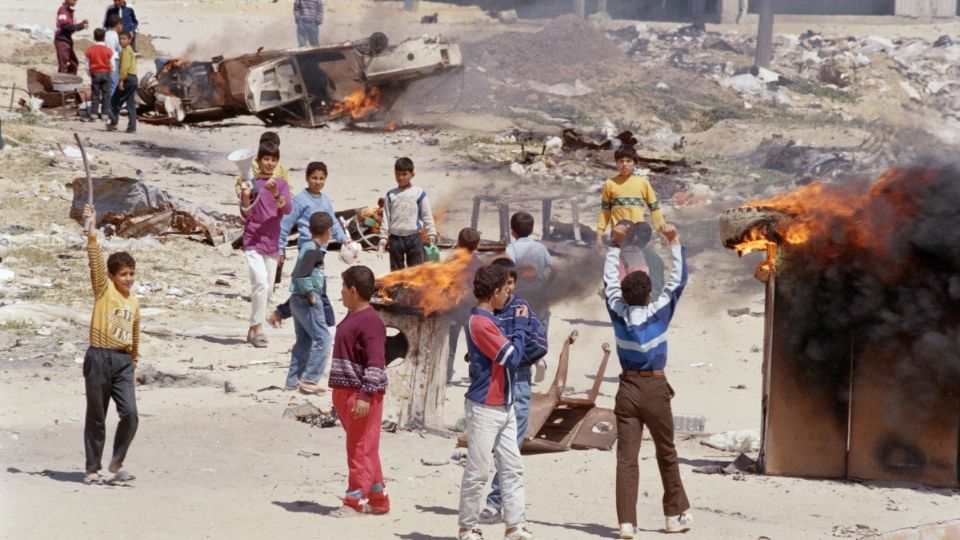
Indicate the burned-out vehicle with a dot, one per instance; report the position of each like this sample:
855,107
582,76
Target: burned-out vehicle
303,87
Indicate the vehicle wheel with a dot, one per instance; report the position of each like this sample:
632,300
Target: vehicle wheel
737,222
378,42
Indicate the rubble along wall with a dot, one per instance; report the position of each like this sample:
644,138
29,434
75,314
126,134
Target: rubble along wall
832,7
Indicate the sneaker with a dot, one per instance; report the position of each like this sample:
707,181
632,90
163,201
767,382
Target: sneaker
111,127
626,531
520,533
472,534
130,130
378,503
490,516
679,523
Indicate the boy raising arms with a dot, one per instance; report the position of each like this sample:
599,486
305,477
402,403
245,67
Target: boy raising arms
110,360
406,210
625,195
490,416
358,378
644,395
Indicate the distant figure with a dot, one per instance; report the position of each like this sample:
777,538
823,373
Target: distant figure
405,212
99,60
112,40
126,93
63,38
127,16
624,196
309,16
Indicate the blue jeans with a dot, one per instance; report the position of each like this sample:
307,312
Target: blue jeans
521,404
114,80
308,33
308,360
284,309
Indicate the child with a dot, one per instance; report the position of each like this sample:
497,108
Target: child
126,88
128,18
305,204
533,260
358,378
533,353
278,172
112,40
625,195
110,360
63,37
100,65
644,394
261,234
490,416
468,239
308,359
406,211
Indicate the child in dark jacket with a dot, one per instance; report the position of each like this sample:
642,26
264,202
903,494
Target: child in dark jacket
359,380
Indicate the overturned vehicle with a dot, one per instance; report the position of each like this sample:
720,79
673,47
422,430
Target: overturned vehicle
301,87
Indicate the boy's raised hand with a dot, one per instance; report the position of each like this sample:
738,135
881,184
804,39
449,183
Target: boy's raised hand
670,233
90,219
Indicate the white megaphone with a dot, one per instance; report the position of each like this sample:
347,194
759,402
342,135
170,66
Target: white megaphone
243,159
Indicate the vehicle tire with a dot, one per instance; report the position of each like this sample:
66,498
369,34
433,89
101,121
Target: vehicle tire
378,43
737,222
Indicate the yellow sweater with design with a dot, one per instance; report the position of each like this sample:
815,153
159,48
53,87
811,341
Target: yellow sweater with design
624,197
115,323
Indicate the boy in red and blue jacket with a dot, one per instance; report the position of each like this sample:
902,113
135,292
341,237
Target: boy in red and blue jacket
491,420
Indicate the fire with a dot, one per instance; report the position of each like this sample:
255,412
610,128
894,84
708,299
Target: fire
860,218
360,104
431,287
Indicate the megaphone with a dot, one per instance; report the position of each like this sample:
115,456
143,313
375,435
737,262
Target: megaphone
243,159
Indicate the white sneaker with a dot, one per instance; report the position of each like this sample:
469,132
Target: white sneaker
472,534
521,533
679,523
490,516
626,531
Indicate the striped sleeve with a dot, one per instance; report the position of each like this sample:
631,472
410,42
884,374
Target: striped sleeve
135,345
491,343
98,270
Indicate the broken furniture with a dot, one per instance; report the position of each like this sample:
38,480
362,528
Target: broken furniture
546,202
61,91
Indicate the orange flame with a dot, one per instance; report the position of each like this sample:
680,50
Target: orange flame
360,104
820,211
432,286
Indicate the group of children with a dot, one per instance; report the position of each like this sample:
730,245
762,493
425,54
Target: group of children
504,338
112,64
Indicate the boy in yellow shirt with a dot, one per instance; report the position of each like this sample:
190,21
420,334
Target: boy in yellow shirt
126,94
109,363
624,196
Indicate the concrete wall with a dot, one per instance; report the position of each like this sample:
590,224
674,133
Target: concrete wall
927,8
830,7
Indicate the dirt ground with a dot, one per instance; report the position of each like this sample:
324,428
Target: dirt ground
217,464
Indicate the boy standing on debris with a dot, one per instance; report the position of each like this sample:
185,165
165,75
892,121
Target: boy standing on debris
490,416
624,196
405,211
643,398
126,89
308,359
534,351
263,204
108,365
358,378
533,260
63,38
100,65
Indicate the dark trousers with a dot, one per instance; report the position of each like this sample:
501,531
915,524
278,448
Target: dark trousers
128,97
108,374
405,251
66,59
99,94
646,401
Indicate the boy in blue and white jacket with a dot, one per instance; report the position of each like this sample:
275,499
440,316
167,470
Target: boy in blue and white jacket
643,398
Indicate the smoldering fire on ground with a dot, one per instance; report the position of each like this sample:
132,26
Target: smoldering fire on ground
872,262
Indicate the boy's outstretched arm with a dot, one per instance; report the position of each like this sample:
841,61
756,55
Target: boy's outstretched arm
611,283
98,270
665,305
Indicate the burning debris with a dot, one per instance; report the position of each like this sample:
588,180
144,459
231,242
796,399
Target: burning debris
428,288
302,87
863,334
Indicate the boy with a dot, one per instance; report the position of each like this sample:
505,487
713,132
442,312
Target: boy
625,195
308,359
100,65
533,353
635,253
644,395
468,239
126,16
126,88
308,14
305,204
112,40
358,378
63,38
263,204
110,360
279,171
405,211
533,260
490,416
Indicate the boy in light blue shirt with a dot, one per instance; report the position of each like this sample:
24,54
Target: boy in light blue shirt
533,263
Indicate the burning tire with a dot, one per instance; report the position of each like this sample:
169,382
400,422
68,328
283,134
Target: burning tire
737,223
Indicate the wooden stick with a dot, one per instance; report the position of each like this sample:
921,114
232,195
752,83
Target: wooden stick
86,170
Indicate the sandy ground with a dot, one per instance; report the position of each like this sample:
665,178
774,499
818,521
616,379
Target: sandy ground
212,464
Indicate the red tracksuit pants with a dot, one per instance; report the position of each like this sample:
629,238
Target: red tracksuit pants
363,439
